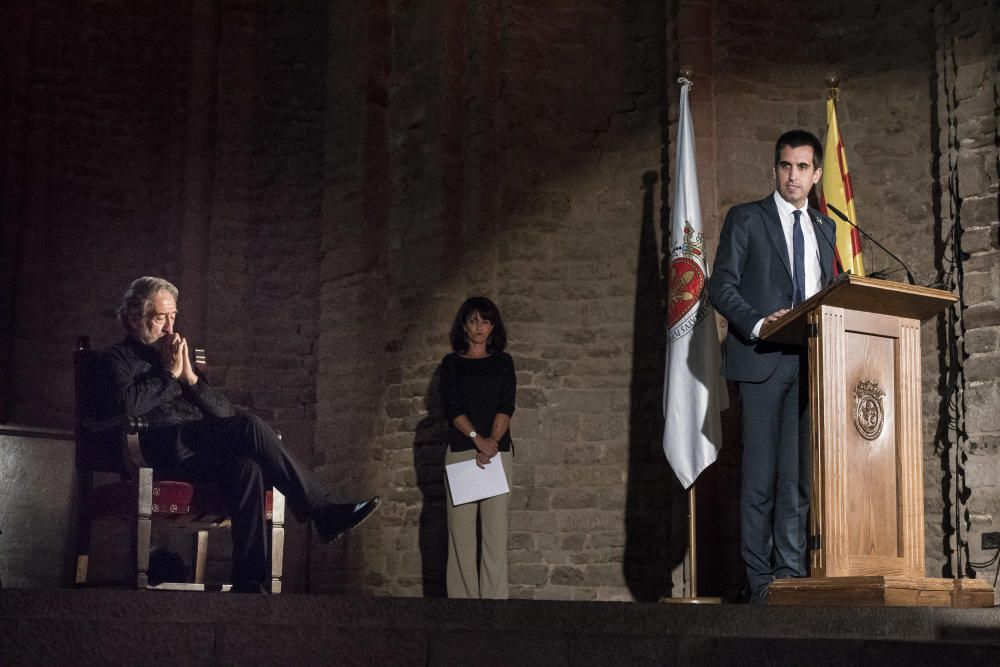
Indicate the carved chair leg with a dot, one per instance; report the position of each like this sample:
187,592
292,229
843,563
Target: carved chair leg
277,539
200,555
83,527
143,527
82,549
82,562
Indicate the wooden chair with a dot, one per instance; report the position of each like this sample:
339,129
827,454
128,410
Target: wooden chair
138,495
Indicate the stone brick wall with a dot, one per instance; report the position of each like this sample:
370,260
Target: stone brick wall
264,294
354,294
327,181
92,153
511,176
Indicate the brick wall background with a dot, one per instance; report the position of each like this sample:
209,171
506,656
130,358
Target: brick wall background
967,456
326,181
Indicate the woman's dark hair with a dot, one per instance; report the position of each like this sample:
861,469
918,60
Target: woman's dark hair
487,310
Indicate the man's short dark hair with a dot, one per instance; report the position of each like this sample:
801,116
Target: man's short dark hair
796,138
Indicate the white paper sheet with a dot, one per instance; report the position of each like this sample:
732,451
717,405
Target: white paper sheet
469,482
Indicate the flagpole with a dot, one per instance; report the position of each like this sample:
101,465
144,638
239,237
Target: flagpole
692,598
686,262
693,541
691,594
688,73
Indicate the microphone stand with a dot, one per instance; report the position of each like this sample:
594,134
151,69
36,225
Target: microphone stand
833,247
839,214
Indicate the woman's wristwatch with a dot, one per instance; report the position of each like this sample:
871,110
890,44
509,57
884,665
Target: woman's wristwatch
473,434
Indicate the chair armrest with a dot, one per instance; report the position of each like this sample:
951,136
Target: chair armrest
128,429
128,424
132,453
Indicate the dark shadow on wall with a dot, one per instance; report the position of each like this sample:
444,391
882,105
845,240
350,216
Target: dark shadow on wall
941,440
429,444
655,504
948,257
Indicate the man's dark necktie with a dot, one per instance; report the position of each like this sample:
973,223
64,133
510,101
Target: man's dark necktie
798,254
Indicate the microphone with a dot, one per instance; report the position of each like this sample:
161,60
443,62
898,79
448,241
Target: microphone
909,276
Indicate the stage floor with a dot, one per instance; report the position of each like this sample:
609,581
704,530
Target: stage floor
85,627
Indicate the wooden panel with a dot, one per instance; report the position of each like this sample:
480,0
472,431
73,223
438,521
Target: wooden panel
867,494
908,423
880,591
867,565
828,516
972,593
871,323
871,465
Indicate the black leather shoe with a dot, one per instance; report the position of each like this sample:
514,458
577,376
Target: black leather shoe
335,520
759,599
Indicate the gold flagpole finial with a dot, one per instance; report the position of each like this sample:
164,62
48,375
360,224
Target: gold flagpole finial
832,85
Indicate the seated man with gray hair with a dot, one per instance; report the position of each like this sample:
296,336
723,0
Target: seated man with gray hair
193,432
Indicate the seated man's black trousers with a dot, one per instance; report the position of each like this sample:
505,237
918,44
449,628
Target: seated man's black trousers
245,456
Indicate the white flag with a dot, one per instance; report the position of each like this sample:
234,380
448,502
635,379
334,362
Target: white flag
693,389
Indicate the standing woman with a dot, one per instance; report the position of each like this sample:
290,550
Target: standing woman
478,388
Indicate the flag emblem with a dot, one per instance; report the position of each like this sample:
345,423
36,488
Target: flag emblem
687,303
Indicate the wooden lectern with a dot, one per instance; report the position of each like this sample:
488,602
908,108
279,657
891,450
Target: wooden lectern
867,510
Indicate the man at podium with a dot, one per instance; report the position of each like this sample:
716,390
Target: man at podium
773,254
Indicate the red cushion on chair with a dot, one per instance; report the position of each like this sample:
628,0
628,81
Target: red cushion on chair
269,504
170,498
173,498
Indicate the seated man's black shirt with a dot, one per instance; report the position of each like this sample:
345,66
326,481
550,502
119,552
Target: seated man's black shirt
138,385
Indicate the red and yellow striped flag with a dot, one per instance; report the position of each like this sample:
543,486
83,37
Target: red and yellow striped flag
837,191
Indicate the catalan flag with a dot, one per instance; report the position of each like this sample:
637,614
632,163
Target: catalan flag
838,192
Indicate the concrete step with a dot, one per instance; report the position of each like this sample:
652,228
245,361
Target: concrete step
128,627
